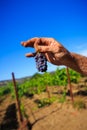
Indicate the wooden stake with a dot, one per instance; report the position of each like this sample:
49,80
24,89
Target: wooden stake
48,92
69,83
17,99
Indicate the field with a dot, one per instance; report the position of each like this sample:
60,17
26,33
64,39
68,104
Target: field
45,103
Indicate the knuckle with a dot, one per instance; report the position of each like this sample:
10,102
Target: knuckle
51,38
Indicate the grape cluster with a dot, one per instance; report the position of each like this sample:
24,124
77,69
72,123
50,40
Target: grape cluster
41,62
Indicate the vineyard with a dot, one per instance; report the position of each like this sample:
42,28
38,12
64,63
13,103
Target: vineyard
44,102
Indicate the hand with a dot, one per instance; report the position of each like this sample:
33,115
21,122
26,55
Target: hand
53,50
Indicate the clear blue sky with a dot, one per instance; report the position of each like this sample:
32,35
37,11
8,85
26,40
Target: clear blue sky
20,20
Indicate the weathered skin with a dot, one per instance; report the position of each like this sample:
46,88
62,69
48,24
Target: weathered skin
57,54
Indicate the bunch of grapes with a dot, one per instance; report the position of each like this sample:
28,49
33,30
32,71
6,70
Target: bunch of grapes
41,62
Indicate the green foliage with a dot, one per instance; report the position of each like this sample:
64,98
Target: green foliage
46,101
23,111
62,99
36,76
6,89
38,82
60,77
74,76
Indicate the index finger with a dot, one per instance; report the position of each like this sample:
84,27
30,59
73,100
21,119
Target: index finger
29,43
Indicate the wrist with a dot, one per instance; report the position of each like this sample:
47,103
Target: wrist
81,62
72,62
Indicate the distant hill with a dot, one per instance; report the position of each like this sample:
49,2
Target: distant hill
19,80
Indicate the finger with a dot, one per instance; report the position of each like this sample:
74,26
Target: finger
43,49
30,54
42,41
45,41
37,42
38,45
29,43
51,58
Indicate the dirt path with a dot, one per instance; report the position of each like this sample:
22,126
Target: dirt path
63,119
57,116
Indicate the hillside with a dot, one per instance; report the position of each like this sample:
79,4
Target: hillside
19,80
46,103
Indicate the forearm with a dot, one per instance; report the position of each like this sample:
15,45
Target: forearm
78,63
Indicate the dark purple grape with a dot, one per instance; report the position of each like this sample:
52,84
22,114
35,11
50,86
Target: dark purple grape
41,62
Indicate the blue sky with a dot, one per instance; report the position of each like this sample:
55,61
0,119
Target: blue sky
64,20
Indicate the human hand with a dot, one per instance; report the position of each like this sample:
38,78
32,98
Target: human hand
52,49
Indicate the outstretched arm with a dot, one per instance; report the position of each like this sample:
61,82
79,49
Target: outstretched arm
57,54
79,63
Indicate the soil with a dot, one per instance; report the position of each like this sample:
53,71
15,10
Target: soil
57,116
